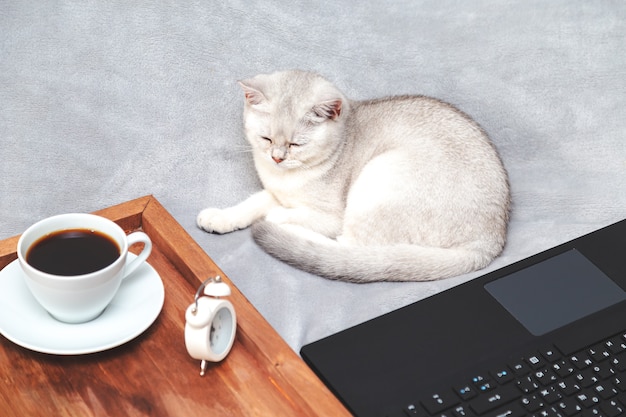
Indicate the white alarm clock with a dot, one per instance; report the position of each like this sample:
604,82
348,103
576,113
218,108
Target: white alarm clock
211,323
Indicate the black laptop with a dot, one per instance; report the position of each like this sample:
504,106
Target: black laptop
545,336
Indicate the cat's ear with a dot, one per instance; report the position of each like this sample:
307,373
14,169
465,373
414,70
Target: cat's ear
253,95
330,109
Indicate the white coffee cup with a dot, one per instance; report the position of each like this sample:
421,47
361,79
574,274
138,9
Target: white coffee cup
79,298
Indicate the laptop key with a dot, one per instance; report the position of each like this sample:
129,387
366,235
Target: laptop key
519,368
579,361
466,392
494,399
546,376
550,395
619,383
563,368
502,375
568,387
536,361
605,391
614,345
604,370
510,410
483,383
612,408
527,385
532,403
411,411
598,353
619,361
436,403
569,406
462,411
550,354
586,378
587,399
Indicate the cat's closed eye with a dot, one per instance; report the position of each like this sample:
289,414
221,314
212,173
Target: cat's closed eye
266,139
294,145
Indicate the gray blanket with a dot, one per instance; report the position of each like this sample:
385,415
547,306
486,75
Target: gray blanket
102,102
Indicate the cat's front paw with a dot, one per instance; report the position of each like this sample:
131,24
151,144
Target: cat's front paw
215,220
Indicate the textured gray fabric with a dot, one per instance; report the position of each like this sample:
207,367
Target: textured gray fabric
102,102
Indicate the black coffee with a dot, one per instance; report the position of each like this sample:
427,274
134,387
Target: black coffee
73,252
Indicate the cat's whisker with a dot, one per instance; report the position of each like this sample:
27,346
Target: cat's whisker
243,149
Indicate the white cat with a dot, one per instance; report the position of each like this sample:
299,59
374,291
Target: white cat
401,188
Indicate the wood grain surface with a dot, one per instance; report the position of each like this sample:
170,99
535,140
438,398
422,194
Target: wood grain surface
153,375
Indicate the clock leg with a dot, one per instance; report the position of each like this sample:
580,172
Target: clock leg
202,367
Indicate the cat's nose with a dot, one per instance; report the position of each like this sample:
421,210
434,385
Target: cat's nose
278,159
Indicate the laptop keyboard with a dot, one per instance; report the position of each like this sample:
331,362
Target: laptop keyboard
545,383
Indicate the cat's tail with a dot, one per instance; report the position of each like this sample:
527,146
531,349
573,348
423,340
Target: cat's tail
328,258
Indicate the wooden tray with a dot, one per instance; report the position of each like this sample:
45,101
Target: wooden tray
153,374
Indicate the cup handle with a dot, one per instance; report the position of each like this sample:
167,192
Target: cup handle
138,237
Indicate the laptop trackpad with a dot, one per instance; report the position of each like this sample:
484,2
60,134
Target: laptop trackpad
555,292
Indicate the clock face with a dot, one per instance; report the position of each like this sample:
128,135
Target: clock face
221,330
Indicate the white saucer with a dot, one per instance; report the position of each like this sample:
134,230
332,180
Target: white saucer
23,321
